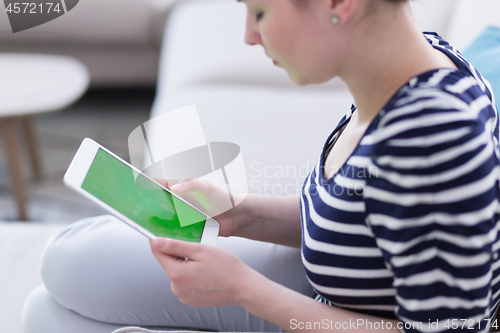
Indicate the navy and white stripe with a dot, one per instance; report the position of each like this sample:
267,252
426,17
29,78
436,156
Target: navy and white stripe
408,227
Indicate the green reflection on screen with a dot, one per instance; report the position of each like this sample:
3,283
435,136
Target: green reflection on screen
153,208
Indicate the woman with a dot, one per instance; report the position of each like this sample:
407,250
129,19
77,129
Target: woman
419,152
398,218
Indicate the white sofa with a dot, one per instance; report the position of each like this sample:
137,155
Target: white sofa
118,40
243,98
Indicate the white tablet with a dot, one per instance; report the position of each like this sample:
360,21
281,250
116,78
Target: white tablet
137,200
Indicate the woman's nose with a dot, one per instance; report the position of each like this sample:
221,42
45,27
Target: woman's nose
252,35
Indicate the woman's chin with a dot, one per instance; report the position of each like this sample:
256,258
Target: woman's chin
301,81
297,79
304,79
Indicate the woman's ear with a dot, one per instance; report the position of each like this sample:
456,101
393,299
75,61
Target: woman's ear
343,9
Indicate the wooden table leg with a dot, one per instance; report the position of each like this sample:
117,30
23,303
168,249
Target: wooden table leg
29,133
8,128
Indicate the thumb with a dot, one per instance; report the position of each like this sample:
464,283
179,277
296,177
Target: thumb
167,182
176,248
184,185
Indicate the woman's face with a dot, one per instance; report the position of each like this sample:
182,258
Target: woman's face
297,37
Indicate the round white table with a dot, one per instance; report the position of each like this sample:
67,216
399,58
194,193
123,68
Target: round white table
31,84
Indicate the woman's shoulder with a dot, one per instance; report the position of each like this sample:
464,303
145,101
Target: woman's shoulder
465,68
435,102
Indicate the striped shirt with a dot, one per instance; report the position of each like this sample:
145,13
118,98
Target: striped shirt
408,226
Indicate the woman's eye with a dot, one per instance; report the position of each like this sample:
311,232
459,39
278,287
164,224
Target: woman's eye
258,16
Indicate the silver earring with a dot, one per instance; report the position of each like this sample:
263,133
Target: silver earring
335,19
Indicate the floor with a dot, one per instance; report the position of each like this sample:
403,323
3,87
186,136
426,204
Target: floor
108,117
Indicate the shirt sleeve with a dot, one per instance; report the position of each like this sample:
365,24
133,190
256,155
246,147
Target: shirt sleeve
432,205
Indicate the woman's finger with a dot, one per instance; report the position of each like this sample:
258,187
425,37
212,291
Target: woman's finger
168,183
184,185
176,248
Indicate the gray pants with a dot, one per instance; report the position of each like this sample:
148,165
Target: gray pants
99,275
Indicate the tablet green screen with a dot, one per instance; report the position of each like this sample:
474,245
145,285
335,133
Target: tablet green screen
155,209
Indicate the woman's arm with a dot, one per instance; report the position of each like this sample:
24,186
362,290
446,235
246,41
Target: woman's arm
264,218
269,219
203,275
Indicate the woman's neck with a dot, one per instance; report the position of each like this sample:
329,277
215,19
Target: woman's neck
385,53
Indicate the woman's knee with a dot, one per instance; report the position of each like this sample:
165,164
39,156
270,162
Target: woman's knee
41,314
67,259
95,264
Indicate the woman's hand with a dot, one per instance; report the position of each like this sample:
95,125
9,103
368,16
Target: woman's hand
264,218
203,275
210,198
